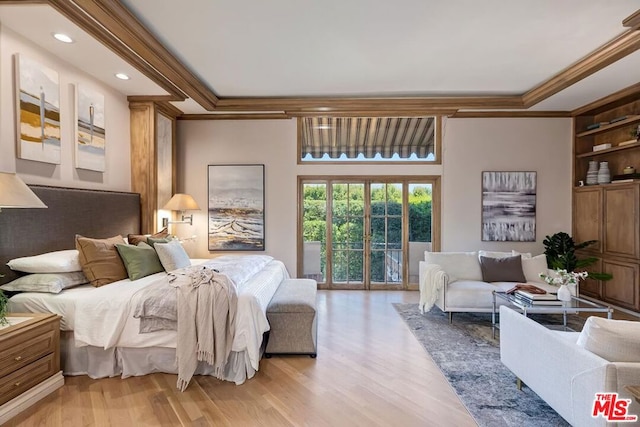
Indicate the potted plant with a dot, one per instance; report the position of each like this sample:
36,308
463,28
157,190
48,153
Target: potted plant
560,251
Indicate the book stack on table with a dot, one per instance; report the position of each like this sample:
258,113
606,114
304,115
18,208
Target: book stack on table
533,295
537,299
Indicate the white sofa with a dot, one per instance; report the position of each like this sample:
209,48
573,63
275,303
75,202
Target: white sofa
559,369
463,288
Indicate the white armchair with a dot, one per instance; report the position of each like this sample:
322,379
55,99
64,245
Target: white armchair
563,373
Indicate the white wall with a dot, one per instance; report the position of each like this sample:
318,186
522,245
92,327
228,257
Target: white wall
268,142
507,144
118,161
471,146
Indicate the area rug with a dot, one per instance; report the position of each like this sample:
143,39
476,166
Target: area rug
469,358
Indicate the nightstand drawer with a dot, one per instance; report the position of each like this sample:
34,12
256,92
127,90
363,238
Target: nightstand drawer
23,349
23,379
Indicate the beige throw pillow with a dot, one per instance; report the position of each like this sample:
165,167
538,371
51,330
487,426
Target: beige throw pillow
613,340
134,239
100,260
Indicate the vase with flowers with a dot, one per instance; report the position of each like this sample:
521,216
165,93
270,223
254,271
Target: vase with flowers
564,280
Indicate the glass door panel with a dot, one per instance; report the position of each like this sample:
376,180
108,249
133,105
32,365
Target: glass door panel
314,231
385,232
347,234
420,197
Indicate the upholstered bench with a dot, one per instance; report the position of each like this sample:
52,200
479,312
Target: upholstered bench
293,319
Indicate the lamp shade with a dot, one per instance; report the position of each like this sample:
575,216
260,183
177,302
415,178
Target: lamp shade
14,193
181,202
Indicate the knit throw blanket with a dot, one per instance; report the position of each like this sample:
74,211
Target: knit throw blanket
433,279
207,303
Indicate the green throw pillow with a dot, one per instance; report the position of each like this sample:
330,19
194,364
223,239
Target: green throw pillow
140,261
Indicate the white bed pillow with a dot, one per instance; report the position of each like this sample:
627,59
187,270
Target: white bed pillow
172,255
52,283
66,261
613,340
532,267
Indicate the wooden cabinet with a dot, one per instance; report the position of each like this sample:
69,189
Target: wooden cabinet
608,213
590,287
29,361
622,290
621,232
587,215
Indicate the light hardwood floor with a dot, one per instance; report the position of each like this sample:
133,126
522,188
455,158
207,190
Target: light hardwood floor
370,371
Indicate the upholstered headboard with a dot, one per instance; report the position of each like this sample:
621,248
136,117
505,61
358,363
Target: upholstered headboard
71,211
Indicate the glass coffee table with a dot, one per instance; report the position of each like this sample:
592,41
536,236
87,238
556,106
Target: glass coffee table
576,305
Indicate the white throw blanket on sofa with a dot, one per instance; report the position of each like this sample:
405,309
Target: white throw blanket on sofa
207,303
433,279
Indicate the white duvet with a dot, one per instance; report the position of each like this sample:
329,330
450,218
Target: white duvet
104,316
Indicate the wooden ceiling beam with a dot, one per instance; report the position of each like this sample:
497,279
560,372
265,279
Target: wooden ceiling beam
623,96
328,105
238,116
375,113
510,114
632,21
605,55
111,23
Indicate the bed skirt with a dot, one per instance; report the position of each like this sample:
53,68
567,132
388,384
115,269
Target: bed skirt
126,362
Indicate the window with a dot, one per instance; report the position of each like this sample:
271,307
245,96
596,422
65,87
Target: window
366,232
369,139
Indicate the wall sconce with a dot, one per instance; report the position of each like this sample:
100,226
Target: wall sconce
14,193
180,202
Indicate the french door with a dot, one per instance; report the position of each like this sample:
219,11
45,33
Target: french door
365,232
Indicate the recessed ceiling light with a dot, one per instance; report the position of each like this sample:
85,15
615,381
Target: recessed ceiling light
122,76
63,38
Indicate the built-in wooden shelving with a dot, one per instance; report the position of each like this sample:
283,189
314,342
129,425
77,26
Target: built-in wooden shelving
605,128
607,150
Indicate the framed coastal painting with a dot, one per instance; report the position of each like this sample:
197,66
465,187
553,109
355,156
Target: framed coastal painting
236,207
90,131
37,111
508,206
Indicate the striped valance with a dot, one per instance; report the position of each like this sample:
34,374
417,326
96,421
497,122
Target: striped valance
368,136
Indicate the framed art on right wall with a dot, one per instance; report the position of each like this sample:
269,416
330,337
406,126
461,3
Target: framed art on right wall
508,206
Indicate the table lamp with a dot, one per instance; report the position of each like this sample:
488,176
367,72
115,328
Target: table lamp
14,193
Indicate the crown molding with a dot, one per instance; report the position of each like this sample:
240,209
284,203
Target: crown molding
238,116
632,21
510,114
111,23
612,51
328,105
623,96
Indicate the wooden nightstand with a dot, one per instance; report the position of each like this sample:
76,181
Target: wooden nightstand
29,361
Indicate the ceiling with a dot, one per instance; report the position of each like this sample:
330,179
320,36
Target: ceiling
358,48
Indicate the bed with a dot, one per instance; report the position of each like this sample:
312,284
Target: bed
110,343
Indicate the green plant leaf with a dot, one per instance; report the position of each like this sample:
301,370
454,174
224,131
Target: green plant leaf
560,251
600,276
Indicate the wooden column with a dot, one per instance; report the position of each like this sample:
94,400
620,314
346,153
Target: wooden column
144,158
